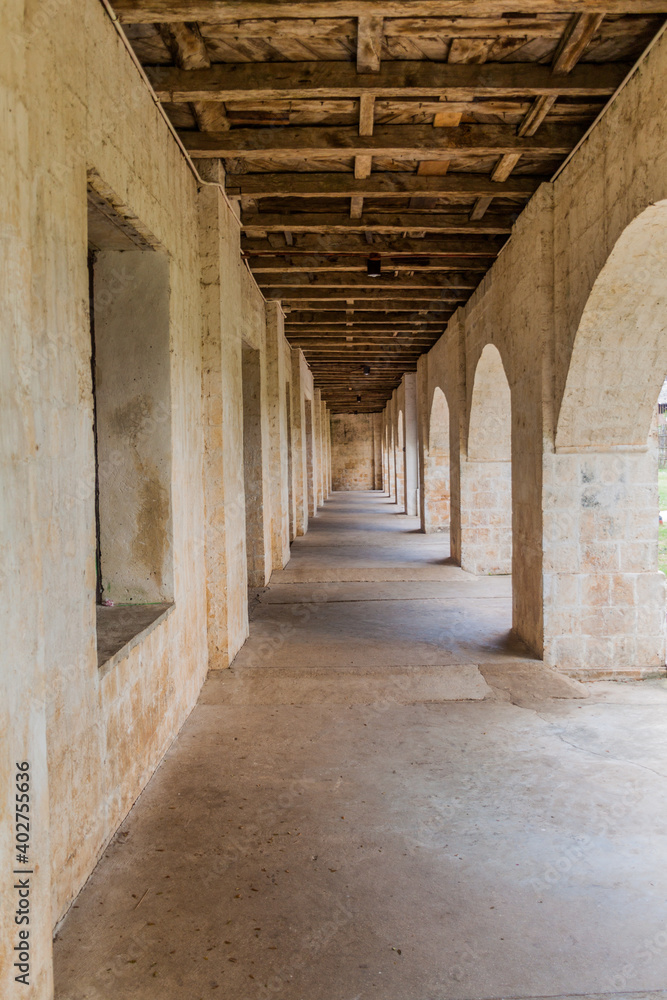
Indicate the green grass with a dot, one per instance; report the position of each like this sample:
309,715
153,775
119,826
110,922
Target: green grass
662,530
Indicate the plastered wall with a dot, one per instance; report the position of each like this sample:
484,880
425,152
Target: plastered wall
76,111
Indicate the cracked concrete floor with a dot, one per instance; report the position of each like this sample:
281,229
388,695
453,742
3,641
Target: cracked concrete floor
384,798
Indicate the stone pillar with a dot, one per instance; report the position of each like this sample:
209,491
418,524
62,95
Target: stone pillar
224,492
277,379
299,447
411,486
391,454
324,437
318,449
385,453
604,598
399,450
377,451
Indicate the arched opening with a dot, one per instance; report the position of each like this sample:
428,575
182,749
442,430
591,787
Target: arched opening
604,595
486,473
435,467
400,460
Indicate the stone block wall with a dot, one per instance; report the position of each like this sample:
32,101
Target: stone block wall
353,451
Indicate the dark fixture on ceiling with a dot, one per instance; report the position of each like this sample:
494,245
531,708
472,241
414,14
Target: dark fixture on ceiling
358,399
367,369
374,265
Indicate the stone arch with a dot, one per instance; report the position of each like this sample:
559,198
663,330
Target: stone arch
490,422
620,348
435,506
486,471
604,608
619,359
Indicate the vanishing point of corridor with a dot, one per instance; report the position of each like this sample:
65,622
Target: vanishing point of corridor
383,797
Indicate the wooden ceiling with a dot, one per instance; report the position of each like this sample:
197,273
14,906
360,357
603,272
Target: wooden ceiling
405,128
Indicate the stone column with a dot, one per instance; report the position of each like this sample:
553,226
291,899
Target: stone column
604,598
411,444
318,451
224,491
299,446
277,379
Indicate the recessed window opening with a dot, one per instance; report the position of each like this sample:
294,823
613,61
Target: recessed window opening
130,368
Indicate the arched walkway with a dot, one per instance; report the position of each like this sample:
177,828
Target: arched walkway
604,597
486,472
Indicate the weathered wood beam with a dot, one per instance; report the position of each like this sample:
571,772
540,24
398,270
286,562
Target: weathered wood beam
188,50
385,224
303,81
405,141
415,297
538,112
579,33
360,284
313,265
344,28
369,43
300,309
225,11
505,166
354,243
480,208
451,188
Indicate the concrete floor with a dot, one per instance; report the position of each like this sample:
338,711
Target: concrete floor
384,797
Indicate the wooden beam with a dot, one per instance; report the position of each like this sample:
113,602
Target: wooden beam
366,114
505,166
402,141
454,188
353,243
360,284
188,50
356,209
412,297
314,265
577,36
574,40
226,11
300,307
385,224
369,43
538,112
480,209
303,81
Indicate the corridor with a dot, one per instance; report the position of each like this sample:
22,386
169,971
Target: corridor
385,797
